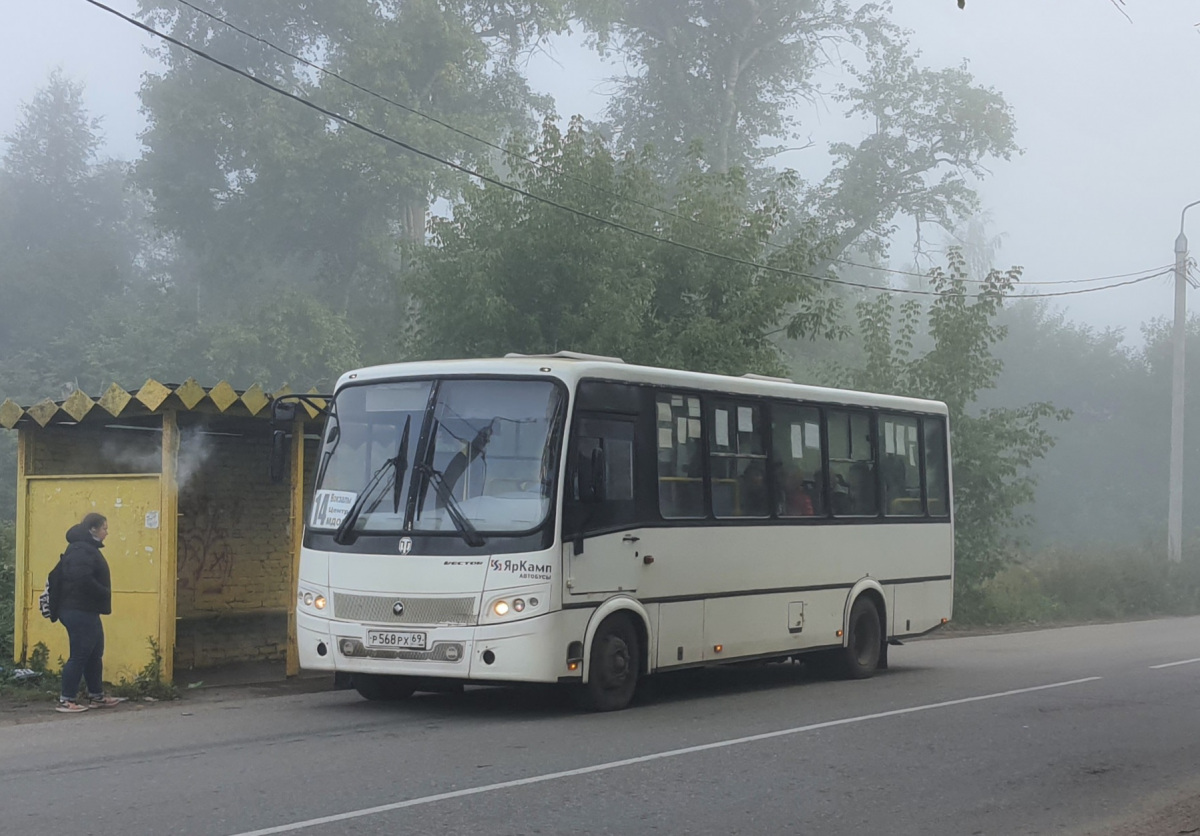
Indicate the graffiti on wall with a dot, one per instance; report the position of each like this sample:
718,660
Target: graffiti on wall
205,533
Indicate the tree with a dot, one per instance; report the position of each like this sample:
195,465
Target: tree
721,73
509,273
267,197
726,76
69,240
993,447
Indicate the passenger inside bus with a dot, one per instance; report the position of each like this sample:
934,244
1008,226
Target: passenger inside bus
797,497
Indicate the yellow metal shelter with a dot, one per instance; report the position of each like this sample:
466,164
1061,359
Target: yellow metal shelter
203,548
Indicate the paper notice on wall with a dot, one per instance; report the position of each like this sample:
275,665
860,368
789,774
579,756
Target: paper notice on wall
681,429
745,419
664,413
693,428
664,438
330,508
812,435
151,519
797,441
721,420
694,407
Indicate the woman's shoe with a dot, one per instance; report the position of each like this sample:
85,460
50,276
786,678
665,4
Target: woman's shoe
105,702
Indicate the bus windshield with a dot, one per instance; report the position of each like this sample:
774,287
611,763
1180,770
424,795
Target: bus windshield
462,456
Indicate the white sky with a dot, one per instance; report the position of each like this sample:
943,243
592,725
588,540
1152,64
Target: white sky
1107,113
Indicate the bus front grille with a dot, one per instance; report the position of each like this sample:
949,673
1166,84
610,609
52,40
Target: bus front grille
381,609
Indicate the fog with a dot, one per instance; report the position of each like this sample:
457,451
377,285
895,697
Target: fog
269,244
1105,108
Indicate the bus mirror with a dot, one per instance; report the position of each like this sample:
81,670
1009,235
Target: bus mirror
279,457
283,411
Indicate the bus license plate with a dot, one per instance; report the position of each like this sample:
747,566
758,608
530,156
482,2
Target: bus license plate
395,639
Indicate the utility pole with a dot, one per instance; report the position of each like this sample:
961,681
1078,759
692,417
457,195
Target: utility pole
1179,338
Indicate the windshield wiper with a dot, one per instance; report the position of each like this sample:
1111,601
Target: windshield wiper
400,465
465,527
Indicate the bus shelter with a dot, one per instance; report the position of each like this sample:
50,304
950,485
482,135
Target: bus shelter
203,545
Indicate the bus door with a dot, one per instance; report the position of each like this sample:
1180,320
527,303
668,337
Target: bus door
600,545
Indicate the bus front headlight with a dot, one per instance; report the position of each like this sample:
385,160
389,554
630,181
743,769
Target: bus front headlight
312,600
500,608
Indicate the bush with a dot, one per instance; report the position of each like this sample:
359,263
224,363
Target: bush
8,583
1073,584
148,683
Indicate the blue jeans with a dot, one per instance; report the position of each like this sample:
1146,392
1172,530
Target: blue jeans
87,653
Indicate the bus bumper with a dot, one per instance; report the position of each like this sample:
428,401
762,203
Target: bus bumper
529,650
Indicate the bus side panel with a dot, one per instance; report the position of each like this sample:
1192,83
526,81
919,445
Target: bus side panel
919,607
680,633
756,625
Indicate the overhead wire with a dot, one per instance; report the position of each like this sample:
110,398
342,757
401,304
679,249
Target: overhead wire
486,178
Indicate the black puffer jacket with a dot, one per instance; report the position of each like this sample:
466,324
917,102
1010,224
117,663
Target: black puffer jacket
86,584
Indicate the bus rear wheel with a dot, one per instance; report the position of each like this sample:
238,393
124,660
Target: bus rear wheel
864,643
615,663
380,688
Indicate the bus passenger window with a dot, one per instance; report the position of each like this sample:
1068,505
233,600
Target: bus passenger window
852,486
737,458
796,460
936,491
900,466
680,467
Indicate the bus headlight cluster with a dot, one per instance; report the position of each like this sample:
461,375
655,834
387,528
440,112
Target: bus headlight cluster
312,599
517,605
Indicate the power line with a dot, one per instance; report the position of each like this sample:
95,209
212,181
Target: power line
530,195
1024,283
601,189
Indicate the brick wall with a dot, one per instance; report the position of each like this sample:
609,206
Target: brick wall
235,551
63,451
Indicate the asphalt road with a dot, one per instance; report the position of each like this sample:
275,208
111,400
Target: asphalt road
1077,730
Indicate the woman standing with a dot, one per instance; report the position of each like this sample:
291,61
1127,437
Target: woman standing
86,594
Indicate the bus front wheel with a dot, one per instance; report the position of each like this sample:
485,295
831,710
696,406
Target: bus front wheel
615,663
860,656
379,688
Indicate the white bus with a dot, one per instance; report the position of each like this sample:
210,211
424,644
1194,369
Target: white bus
575,519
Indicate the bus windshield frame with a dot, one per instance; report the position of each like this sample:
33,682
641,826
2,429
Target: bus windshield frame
480,459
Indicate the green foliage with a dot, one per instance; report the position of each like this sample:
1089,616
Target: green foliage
267,198
993,448
511,274
148,683
1066,585
67,246
8,583
724,78
724,74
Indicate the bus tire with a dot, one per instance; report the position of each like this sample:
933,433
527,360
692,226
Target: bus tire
380,688
615,661
864,640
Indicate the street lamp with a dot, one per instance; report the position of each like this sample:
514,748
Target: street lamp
1175,485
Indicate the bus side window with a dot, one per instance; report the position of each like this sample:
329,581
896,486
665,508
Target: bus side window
796,460
737,460
936,484
852,486
600,476
900,466
680,466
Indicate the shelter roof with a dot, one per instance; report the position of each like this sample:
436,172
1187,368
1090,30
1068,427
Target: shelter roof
150,399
